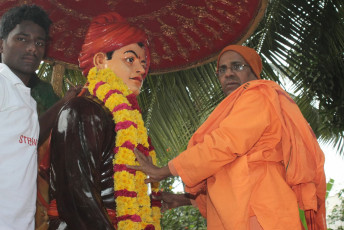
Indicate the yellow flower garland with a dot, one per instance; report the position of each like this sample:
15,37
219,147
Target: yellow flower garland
101,84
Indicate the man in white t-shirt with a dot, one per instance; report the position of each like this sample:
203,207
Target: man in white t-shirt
24,32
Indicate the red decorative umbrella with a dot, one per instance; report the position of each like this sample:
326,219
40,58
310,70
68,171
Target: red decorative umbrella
182,33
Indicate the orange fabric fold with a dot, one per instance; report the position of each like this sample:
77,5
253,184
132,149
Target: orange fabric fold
255,155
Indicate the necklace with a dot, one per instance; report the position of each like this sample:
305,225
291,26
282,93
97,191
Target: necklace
134,208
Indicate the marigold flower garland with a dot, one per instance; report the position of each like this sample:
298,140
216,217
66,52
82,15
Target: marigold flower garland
134,209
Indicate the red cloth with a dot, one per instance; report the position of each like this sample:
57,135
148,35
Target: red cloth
182,34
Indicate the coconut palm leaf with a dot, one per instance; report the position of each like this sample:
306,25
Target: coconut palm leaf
291,40
303,41
300,41
174,105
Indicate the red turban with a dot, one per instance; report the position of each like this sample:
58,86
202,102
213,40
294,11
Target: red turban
109,32
250,56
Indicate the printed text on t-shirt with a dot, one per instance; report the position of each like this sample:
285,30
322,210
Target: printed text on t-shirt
27,140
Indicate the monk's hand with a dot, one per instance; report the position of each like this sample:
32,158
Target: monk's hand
170,200
146,165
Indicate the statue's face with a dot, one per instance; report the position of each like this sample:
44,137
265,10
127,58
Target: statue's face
129,63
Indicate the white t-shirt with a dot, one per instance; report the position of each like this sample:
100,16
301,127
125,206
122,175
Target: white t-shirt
19,131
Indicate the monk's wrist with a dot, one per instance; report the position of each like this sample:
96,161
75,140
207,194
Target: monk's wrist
164,172
183,199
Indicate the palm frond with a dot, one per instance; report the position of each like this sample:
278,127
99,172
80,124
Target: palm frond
304,43
299,41
174,105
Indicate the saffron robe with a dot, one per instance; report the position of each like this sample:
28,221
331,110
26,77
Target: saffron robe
255,155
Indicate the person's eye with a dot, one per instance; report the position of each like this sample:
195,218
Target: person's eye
237,67
21,39
40,43
129,59
222,70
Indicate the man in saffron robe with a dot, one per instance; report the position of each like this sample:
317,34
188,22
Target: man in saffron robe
255,161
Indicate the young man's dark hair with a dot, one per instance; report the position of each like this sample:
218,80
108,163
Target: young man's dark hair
18,14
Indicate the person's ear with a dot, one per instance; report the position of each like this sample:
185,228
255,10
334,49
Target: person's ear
100,60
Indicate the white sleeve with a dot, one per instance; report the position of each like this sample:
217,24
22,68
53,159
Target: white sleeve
2,93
